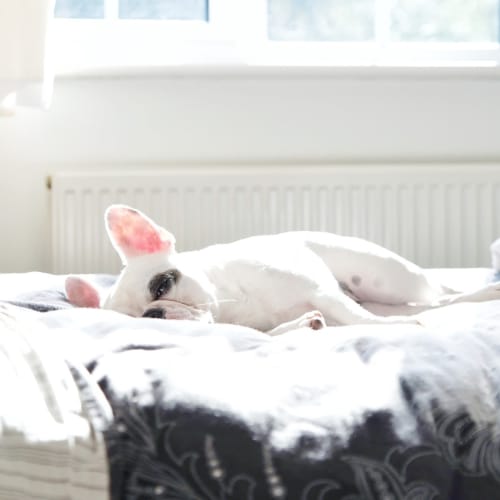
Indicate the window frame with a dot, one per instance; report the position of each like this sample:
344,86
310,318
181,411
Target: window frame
78,43
236,35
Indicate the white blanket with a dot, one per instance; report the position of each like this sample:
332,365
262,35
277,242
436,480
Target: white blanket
48,446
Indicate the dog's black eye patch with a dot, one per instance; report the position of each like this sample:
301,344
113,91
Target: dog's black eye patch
161,284
156,312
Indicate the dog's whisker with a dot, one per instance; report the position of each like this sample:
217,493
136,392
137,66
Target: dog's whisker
211,303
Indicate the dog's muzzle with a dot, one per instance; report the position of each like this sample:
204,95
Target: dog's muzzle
169,309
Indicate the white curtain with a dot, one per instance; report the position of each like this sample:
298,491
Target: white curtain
25,75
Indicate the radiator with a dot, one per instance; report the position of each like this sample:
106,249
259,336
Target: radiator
437,216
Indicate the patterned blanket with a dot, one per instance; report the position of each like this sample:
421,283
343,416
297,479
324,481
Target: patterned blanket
224,412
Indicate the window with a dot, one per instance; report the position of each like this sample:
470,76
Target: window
395,20
86,9
133,9
276,32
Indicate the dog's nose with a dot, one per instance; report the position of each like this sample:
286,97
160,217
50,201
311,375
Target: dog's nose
155,312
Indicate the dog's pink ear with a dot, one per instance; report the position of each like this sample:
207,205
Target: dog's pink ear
81,293
133,233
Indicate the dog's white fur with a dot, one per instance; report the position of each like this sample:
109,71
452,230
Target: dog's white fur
273,283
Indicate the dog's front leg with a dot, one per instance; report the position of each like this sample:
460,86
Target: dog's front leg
313,320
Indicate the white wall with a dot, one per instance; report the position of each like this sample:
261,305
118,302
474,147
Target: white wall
269,116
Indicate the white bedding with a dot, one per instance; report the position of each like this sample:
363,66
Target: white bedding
317,384
49,448
86,334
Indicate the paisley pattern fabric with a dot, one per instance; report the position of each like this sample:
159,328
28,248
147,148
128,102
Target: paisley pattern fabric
162,451
185,454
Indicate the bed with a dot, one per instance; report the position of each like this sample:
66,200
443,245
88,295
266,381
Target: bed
96,405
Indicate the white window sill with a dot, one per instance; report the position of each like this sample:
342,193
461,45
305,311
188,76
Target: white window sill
138,49
286,72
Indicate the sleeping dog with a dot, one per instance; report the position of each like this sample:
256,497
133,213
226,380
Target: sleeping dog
272,283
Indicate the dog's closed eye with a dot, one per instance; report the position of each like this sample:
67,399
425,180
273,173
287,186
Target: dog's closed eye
162,283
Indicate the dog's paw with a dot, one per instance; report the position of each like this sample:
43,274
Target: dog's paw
489,292
313,320
494,289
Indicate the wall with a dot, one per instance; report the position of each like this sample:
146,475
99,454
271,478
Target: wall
184,117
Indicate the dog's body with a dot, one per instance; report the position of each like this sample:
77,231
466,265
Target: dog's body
272,283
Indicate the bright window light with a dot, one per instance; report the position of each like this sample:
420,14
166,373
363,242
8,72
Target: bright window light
130,33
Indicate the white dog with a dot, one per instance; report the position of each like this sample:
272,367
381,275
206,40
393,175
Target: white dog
272,283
